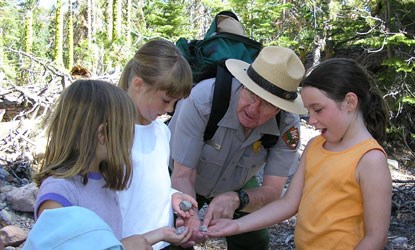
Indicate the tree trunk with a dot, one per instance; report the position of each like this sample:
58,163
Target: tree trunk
1,52
128,28
319,44
59,34
388,25
109,20
70,36
108,43
116,19
142,19
89,23
28,32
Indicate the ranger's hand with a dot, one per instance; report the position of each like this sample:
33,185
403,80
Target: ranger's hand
222,206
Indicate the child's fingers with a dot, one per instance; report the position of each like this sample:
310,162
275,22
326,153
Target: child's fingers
186,236
179,222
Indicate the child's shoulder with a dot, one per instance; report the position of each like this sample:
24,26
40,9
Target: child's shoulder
55,182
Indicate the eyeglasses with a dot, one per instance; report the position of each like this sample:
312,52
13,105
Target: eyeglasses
252,98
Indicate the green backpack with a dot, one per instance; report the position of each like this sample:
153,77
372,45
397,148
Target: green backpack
204,55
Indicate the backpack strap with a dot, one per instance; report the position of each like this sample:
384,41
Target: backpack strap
269,140
220,100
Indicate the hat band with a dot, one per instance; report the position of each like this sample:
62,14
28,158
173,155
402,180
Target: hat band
270,87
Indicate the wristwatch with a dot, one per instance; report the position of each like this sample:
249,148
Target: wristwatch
243,199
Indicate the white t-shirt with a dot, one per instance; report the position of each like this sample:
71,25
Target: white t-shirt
146,204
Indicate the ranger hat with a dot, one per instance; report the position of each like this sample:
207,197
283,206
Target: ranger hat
274,76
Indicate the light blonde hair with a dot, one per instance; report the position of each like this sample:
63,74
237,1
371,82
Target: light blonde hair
159,64
72,133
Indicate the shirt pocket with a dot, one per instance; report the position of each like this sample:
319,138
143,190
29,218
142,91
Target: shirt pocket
248,167
210,169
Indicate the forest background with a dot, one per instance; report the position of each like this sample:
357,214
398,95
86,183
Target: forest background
45,44
41,41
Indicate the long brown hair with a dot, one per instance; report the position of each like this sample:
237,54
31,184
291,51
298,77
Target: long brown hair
72,133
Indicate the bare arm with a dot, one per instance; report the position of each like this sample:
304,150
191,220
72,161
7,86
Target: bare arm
136,242
376,185
183,179
167,234
49,204
270,190
224,205
270,214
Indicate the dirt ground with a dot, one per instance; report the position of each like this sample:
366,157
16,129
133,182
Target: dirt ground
402,228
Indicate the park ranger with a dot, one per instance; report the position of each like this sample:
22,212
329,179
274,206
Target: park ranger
222,171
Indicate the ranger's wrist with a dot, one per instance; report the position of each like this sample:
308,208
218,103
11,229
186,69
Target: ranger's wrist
243,199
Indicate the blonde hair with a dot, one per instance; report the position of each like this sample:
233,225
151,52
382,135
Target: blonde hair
72,133
159,64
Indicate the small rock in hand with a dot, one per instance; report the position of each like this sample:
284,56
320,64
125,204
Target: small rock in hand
203,228
180,230
185,205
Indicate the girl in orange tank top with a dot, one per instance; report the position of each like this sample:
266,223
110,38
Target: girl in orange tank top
342,189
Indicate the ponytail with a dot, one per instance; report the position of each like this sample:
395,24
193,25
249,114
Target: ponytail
126,75
376,115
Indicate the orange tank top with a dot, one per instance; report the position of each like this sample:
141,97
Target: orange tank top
330,215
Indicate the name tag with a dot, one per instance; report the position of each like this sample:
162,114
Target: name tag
214,145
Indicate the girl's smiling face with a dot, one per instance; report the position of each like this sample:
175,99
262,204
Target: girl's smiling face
326,115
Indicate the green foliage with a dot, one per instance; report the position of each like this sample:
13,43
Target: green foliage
409,100
215,6
165,18
368,30
400,65
41,46
400,39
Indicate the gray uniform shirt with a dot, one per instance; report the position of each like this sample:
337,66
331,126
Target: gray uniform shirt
228,160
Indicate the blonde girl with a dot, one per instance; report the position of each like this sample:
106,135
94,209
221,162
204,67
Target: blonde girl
155,78
88,155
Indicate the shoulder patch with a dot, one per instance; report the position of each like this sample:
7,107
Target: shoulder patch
291,137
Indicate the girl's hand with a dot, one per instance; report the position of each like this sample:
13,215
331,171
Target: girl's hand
136,242
178,197
170,235
222,227
193,223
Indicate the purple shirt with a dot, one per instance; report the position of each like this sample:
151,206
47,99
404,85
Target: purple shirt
71,192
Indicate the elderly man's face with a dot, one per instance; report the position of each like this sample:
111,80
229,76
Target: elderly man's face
254,111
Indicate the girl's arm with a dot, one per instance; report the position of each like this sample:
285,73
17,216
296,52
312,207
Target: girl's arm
376,185
48,204
268,215
136,242
167,234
